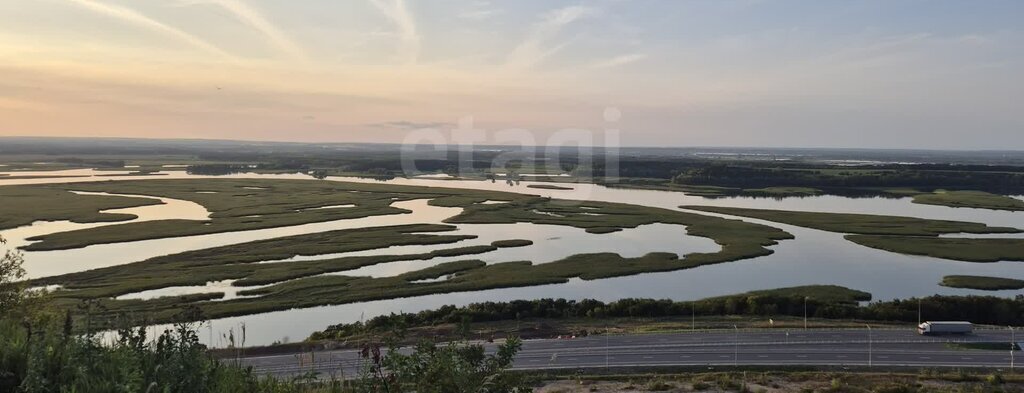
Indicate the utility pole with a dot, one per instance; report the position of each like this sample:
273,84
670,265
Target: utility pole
869,344
805,312
693,317
1013,343
736,347
918,311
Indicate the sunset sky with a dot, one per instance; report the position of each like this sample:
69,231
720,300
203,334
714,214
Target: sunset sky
902,73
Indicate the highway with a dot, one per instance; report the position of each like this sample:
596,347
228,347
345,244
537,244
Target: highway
879,347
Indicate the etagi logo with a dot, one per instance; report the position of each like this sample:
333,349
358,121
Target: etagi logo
586,154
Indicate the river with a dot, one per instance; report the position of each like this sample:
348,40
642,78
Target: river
814,257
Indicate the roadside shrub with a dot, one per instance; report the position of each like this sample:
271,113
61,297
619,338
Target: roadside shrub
659,385
995,379
896,388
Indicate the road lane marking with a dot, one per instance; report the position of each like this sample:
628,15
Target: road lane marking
923,357
762,356
801,356
648,357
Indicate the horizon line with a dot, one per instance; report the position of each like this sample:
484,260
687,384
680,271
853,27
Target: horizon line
110,138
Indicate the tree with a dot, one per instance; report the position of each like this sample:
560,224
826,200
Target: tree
455,367
12,289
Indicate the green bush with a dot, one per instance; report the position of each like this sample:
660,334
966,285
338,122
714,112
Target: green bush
658,385
995,379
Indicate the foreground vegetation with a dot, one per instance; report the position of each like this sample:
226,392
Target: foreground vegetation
982,282
41,351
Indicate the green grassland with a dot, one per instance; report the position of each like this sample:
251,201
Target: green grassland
5,176
982,283
441,270
512,243
314,290
548,187
904,235
972,199
235,205
715,191
242,261
36,165
960,249
22,205
864,224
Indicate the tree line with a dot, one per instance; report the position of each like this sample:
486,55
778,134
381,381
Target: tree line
723,175
989,310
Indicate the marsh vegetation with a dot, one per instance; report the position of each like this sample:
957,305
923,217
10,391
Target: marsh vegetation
982,282
248,204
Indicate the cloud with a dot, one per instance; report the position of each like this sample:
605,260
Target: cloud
479,14
409,125
409,39
620,60
135,18
536,47
258,22
479,11
12,103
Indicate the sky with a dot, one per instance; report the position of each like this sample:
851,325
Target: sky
815,73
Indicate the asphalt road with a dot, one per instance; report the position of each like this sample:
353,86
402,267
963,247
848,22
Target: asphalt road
710,348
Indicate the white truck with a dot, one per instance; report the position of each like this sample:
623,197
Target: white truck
945,327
